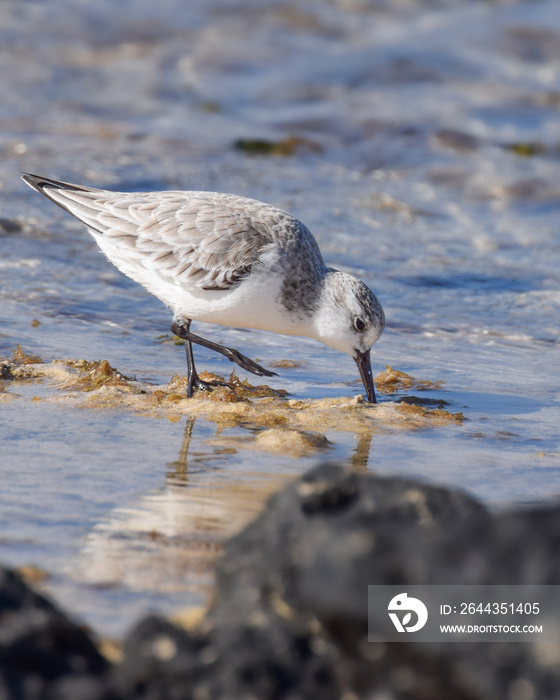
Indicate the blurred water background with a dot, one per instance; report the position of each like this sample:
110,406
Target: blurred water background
419,141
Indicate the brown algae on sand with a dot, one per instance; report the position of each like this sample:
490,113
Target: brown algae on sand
392,380
95,374
274,421
23,358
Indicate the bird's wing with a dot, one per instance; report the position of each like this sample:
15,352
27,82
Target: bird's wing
211,238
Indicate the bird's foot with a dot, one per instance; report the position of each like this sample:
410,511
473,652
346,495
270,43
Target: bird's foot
248,364
197,384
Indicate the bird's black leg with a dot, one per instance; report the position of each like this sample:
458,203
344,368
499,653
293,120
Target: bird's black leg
193,380
182,329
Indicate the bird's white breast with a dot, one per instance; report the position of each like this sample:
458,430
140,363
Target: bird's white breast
254,302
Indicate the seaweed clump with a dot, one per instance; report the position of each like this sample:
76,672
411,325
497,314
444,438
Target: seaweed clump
94,374
393,380
233,390
24,358
284,147
20,366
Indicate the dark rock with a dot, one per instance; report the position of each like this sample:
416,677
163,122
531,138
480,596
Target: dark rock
304,565
82,687
161,661
9,226
38,644
300,572
333,529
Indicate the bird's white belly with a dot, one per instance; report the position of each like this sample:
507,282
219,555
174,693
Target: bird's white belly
254,302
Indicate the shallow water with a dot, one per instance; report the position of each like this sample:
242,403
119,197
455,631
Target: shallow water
426,161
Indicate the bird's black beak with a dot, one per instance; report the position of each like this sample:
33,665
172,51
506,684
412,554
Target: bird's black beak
362,359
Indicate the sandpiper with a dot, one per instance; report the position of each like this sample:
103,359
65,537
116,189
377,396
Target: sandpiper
225,259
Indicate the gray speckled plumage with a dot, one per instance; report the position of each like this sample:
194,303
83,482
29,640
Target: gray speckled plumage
209,238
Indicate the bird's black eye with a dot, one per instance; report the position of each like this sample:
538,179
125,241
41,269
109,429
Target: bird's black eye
359,324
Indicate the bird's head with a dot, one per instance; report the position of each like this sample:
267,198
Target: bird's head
350,319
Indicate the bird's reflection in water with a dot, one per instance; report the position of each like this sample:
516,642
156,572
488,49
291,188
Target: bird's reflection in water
178,469
360,457
188,462
169,539
193,461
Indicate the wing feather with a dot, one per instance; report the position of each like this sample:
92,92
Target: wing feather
211,239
